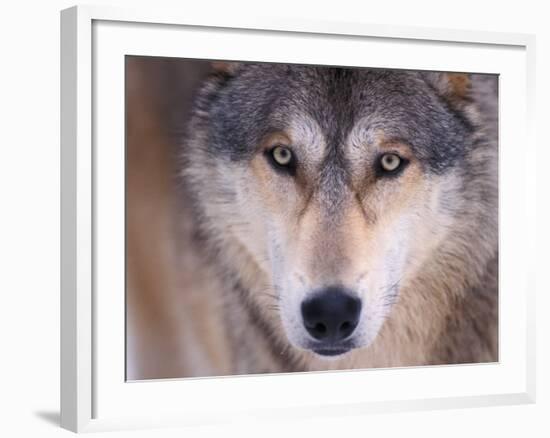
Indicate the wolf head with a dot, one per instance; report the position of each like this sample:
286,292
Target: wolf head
325,191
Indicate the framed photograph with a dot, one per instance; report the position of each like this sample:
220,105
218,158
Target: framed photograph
263,207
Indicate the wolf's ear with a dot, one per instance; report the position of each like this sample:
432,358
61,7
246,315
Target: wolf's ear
225,67
220,74
456,88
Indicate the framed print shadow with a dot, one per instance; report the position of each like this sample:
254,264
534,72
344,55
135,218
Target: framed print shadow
255,208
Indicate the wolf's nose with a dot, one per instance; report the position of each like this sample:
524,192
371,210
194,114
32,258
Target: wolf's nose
331,315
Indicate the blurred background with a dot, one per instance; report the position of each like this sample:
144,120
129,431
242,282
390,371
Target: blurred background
167,318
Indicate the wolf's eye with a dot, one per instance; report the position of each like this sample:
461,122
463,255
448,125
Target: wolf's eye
391,164
281,155
282,159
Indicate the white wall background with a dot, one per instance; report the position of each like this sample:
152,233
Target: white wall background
29,216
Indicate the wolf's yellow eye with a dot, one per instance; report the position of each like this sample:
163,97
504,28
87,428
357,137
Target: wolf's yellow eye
390,162
281,155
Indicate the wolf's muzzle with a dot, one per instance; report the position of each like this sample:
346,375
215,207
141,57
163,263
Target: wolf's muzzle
330,317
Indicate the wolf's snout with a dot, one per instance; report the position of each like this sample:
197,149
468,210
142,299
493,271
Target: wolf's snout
331,315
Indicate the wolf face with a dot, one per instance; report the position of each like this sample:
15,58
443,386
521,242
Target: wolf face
324,190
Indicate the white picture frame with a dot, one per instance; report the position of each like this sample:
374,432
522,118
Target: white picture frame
93,396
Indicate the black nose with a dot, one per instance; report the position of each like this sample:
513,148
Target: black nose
331,315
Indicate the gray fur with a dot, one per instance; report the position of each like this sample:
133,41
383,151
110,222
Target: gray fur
258,98
238,107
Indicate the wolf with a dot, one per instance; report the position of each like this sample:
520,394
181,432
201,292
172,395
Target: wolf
350,214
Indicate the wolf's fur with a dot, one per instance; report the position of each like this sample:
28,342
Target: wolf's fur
277,238
420,249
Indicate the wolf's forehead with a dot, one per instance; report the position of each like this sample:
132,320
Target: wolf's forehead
354,108
314,140
345,105
329,110
321,107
